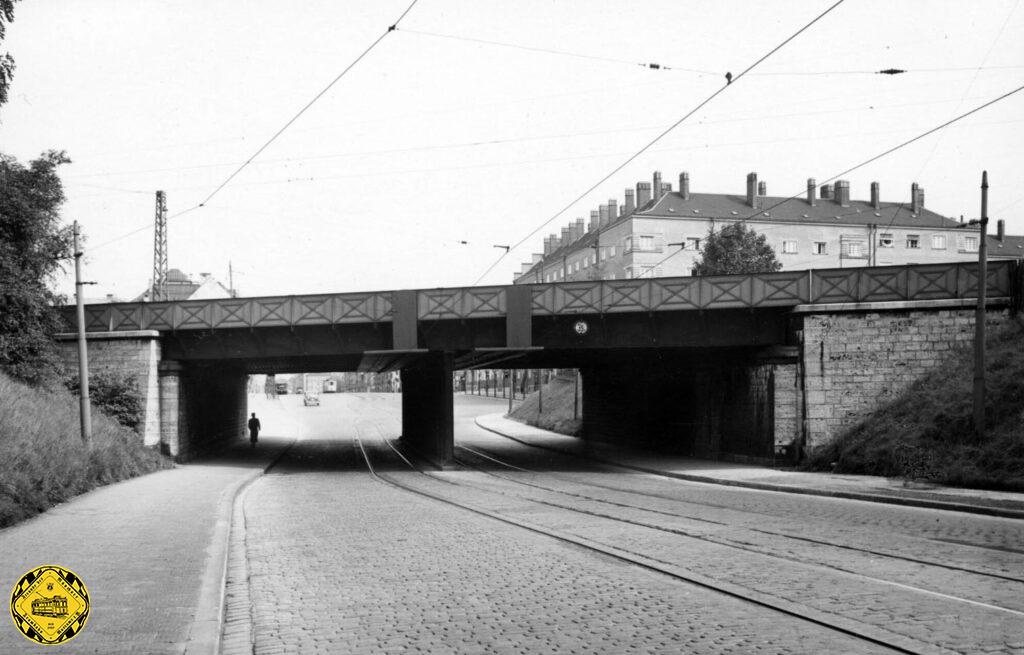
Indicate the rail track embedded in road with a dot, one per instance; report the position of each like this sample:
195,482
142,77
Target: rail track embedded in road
838,624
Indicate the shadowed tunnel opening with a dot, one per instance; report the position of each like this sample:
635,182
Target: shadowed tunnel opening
708,403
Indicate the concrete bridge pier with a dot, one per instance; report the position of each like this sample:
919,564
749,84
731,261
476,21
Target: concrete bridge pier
428,425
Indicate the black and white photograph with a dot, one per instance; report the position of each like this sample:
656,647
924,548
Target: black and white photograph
512,327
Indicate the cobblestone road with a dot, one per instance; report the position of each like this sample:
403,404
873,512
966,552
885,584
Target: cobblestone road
340,562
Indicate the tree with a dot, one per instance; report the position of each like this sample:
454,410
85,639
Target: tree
33,246
6,61
736,250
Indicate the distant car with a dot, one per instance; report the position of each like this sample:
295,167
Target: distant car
310,400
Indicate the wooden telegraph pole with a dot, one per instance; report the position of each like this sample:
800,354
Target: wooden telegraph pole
979,314
83,353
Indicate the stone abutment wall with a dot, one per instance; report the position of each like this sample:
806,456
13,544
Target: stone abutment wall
856,361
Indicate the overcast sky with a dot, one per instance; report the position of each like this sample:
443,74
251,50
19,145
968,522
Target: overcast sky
430,141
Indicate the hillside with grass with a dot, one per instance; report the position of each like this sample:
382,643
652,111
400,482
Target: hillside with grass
43,461
927,434
556,414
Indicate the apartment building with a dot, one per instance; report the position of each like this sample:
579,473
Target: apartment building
659,232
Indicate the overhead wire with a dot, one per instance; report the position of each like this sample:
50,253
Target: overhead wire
875,158
644,149
487,142
564,53
279,132
970,85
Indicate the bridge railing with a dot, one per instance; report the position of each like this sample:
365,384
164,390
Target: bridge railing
953,280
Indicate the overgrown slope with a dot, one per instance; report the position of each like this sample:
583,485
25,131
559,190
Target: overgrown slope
927,434
42,458
558,408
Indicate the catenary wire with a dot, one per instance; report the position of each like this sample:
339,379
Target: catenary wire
875,158
656,139
309,104
564,53
970,85
281,131
484,142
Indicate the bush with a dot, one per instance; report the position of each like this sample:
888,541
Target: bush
42,458
116,395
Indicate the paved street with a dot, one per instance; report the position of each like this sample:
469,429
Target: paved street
341,562
516,550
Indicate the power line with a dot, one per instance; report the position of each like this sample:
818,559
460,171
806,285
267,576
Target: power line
309,104
564,53
876,158
656,139
288,124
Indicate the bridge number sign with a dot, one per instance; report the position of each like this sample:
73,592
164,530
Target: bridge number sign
50,604
581,327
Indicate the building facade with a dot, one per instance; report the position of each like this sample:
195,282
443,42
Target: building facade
661,233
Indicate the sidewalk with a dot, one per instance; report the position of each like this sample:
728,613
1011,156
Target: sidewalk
857,487
150,550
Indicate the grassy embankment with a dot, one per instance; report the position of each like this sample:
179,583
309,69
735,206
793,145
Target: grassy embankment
43,461
558,408
926,433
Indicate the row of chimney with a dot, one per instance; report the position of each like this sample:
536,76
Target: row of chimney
646,192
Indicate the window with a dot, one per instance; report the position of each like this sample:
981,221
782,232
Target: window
913,241
789,247
586,262
611,252
646,242
853,248
577,267
939,242
970,244
692,243
885,240
820,248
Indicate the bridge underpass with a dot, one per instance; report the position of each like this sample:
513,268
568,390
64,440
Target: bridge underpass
743,365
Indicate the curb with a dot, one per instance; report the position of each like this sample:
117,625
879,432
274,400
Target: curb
1000,512
208,623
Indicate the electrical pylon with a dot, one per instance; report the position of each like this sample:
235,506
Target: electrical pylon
159,290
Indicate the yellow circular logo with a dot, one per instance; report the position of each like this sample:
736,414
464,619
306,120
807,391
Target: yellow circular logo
50,604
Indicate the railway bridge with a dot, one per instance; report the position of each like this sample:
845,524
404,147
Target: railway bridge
757,366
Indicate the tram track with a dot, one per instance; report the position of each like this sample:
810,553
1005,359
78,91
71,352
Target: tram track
783,535
837,623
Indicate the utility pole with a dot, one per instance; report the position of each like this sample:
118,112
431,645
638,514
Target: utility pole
979,315
85,415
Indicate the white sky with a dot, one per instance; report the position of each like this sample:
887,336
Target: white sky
376,185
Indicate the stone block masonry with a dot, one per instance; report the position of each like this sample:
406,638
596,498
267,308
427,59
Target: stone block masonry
855,362
135,353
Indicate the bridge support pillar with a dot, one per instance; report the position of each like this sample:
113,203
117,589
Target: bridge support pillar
201,408
428,424
173,406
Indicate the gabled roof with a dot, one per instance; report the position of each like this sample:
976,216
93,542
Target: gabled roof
793,210
1008,247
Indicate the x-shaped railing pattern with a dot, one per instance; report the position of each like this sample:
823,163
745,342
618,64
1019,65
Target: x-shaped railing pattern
786,288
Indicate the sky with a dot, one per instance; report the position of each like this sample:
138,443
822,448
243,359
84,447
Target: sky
475,124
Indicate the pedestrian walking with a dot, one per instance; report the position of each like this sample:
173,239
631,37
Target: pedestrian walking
254,430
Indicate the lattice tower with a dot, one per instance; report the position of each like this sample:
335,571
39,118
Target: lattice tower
159,291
